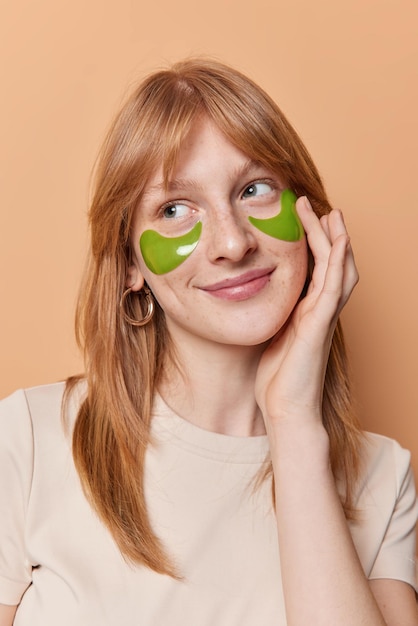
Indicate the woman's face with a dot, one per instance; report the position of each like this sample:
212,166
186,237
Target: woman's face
235,285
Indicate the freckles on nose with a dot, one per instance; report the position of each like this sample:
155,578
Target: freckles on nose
229,234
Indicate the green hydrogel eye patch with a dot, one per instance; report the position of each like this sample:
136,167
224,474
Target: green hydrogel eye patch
286,225
164,254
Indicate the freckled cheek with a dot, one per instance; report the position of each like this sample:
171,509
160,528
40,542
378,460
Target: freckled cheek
291,273
293,256
301,262
169,289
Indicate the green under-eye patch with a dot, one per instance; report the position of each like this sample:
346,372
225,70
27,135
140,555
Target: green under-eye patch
164,254
286,225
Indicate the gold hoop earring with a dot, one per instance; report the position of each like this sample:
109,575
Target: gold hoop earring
150,307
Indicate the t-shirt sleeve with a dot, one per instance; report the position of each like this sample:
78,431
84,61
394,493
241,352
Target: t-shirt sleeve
16,470
396,556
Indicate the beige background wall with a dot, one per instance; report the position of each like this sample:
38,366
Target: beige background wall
345,74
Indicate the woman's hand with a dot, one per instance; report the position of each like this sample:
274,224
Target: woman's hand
323,580
291,372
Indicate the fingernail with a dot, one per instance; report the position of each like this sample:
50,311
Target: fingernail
307,203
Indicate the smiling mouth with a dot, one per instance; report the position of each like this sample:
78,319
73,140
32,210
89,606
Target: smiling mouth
240,287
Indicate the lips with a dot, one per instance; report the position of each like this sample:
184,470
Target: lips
240,287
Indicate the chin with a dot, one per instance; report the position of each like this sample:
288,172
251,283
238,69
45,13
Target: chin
253,338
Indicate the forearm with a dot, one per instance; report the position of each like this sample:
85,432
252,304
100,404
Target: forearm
323,581
7,614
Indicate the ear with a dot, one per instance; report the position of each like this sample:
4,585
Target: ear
134,278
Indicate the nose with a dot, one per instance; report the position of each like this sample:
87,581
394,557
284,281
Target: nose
230,236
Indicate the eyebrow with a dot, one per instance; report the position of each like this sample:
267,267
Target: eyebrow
179,184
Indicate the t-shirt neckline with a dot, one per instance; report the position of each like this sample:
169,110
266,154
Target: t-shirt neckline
169,426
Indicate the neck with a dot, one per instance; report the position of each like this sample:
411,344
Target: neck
212,386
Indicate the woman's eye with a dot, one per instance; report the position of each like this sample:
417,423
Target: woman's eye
256,189
175,210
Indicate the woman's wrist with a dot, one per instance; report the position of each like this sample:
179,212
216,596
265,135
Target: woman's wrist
301,441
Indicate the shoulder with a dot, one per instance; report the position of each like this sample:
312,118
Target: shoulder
20,401
21,405
33,408
47,396
385,475
386,510
383,461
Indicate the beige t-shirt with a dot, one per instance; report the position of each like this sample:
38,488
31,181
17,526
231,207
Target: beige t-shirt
58,559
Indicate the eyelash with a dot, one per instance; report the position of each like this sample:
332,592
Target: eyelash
265,181
172,203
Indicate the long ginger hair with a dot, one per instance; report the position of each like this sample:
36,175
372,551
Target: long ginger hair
124,363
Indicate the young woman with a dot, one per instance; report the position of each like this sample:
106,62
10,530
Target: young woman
208,469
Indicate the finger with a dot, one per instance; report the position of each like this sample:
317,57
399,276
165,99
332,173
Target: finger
336,224
351,275
322,234
341,276
318,241
315,233
333,294
338,228
325,226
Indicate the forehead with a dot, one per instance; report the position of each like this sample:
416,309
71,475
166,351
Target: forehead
157,185
204,149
